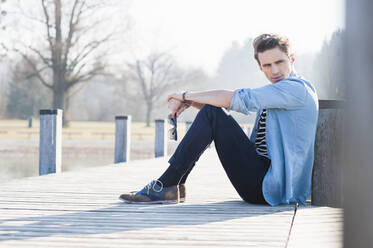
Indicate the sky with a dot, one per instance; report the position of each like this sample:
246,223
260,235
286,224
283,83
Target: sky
197,32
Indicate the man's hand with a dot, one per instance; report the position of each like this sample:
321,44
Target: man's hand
183,107
176,106
176,96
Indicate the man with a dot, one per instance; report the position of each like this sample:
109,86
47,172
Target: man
274,166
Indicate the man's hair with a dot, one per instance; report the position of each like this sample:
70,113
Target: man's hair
268,41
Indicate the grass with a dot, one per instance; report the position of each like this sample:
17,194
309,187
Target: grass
79,130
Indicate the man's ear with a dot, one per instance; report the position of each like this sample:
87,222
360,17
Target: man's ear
292,57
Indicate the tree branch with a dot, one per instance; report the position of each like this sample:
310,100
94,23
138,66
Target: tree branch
34,74
86,76
72,25
141,77
68,96
46,61
47,20
86,51
34,67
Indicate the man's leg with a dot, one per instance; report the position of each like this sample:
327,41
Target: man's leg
244,167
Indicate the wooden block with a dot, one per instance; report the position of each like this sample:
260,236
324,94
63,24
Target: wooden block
122,139
327,175
50,141
160,148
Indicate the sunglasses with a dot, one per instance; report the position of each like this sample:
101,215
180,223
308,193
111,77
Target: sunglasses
172,132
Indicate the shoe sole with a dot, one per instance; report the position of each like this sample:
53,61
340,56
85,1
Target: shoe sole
150,202
182,200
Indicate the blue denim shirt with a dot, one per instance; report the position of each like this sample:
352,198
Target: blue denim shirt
292,112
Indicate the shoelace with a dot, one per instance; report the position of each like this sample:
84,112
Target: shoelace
151,185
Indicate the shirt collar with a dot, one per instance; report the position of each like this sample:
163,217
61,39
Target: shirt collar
293,74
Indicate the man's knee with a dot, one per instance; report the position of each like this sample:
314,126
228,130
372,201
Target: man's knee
210,108
208,111
213,110
213,113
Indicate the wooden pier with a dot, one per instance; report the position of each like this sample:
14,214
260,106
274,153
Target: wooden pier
81,209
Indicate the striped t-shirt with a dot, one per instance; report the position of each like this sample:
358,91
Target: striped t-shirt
260,141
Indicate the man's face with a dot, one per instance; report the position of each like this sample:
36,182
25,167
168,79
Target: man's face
275,64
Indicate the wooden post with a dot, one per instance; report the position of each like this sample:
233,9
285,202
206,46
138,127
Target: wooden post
122,139
29,121
327,175
187,125
358,154
50,141
160,147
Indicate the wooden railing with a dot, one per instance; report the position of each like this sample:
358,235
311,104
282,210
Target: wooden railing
51,133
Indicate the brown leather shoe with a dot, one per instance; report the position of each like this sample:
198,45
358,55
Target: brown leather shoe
153,193
182,194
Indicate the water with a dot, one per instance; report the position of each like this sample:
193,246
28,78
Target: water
20,158
12,168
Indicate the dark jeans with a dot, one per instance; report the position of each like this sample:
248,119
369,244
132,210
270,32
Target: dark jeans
244,167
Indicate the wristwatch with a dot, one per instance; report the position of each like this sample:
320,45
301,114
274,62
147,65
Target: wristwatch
184,100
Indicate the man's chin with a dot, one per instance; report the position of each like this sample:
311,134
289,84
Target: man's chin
275,80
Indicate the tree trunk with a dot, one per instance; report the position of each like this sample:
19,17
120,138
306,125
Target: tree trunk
58,103
58,67
58,99
149,109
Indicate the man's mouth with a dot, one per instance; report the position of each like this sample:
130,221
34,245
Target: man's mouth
277,78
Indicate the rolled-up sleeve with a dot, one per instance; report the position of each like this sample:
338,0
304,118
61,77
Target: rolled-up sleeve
238,102
286,94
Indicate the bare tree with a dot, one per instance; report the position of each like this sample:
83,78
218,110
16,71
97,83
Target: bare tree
74,47
157,75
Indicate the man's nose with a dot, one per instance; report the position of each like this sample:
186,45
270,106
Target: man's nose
275,69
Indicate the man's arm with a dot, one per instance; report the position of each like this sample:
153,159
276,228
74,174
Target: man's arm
197,105
218,98
288,94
